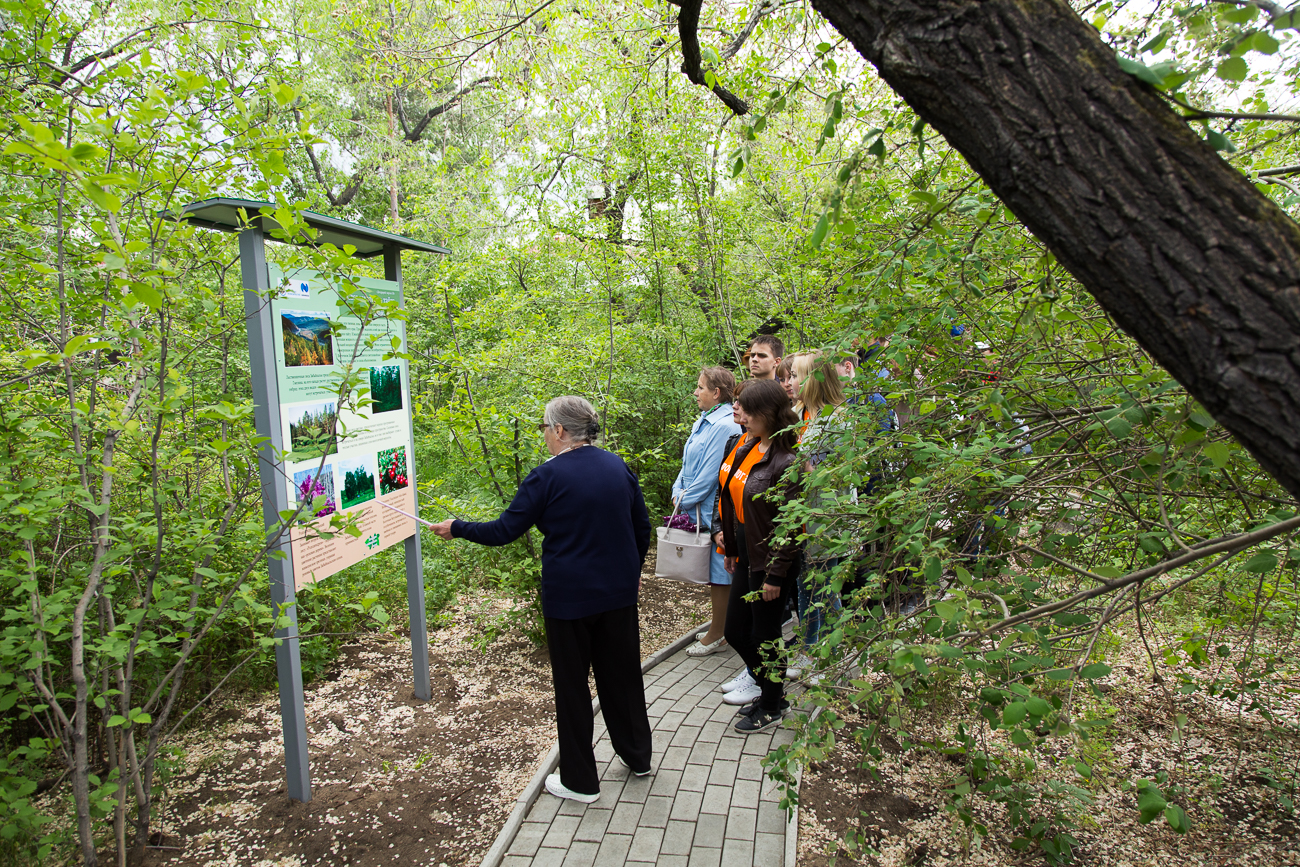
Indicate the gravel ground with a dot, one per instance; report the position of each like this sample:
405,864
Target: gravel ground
395,780
1237,818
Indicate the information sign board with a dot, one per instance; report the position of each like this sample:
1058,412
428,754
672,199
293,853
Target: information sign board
353,456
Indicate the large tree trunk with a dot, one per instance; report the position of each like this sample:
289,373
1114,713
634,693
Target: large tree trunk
1180,248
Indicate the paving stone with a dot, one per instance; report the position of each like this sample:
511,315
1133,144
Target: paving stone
769,848
705,857
655,813
750,768
660,740
702,752
699,715
674,758
744,793
782,737
771,819
694,778
613,850
666,783
686,806
670,721
740,853
710,829
636,789
582,855
568,806
625,818
517,861
723,772
729,748
677,838
549,857
671,861
561,832
757,744
593,825
715,730
741,823
604,751
660,707
646,844
528,839
544,809
717,799
686,736
724,713
610,792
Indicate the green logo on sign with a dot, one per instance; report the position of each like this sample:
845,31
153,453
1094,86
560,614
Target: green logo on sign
372,542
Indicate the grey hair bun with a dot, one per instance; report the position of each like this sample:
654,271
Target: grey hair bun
576,415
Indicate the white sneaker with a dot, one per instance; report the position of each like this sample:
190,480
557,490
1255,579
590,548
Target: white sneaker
801,664
788,628
744,695
624,763
741,681
559,790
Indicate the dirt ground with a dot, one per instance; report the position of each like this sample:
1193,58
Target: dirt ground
1237,817
395,780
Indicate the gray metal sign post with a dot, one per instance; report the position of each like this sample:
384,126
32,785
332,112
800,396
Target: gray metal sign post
225,214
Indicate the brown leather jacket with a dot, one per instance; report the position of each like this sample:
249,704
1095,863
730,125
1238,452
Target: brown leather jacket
760,514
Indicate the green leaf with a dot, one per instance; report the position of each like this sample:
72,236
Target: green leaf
1139,70
1015,712
1151,803
1119,427
1264,561
877,149
925,197
1217,453
945,610
116,720
933,570
819,231
1240,15
1038,707
1264,43
1097,669
1177,819
1219,141
1232,69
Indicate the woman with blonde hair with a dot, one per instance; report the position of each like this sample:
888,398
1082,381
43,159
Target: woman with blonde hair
818,386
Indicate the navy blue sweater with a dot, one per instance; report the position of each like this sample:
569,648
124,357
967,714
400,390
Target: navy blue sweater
589,508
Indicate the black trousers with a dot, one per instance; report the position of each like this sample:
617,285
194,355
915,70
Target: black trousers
608,644
751,629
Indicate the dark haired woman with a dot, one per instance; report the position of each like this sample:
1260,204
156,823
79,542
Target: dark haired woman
596,533
755,489
695,486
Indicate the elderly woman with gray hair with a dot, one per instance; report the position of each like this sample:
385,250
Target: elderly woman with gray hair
596,530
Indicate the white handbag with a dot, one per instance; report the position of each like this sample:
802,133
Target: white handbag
681,555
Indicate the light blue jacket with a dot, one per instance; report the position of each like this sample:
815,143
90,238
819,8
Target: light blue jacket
697,483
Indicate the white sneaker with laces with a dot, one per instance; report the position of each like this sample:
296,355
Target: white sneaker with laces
800,664
741,681
744,695
559,790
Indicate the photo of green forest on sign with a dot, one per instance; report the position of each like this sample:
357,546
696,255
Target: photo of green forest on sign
311,430
358,481
386,388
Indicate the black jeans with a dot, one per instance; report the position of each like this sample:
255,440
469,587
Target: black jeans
751,628
608,644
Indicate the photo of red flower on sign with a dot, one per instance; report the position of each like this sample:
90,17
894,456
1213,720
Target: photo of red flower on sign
392,470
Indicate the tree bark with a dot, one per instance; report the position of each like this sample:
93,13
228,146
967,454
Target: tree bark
1188,257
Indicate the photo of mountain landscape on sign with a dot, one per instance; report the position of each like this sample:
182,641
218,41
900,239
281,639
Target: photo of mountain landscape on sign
386,388
307,338
311,430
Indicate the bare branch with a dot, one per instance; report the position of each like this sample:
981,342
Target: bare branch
688,26
414,134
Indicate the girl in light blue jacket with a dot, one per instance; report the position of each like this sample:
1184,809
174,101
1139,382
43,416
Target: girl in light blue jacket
696,486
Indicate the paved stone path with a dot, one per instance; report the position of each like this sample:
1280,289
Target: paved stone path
707,804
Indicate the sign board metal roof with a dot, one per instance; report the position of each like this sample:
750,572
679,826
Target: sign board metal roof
223,214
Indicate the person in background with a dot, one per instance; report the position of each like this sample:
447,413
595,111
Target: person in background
783,375
596,533
754,490
695,487
820,390
765,353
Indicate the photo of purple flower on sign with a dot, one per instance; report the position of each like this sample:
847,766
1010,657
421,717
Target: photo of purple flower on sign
310,484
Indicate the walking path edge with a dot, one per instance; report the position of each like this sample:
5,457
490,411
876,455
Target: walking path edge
533,790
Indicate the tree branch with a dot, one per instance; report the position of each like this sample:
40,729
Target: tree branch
414,134
688,26
349,192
